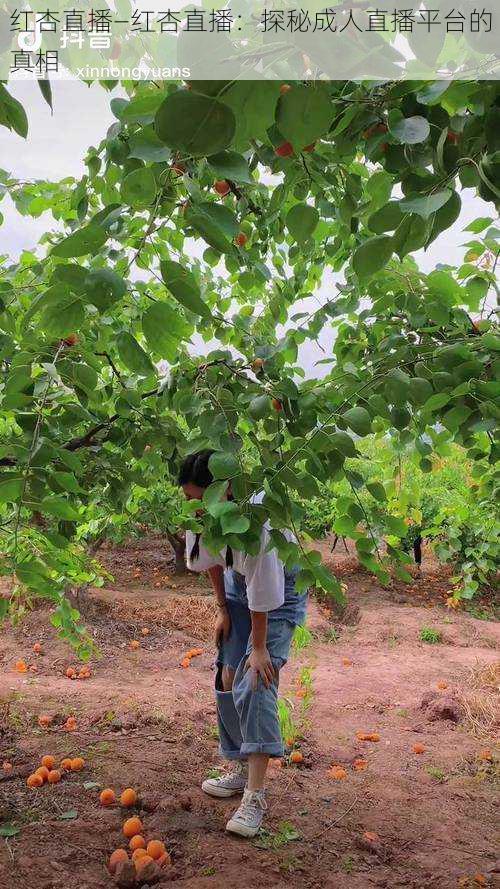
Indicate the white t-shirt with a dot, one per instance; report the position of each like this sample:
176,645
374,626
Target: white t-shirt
263,573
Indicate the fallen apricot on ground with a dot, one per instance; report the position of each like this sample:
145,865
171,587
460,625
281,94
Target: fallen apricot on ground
185,662
77,764
346,662
145,631
418,748
71,673
137,842
107,797
54,776
368,736
296,756
131,827
442,684
485,756
7,767
34,781
128,797
156,849
37,648
138,853
44,720
43,772
337,773
48,761
135,644
360,765
164,860
66,765
21,666
142,862
115,858
70,724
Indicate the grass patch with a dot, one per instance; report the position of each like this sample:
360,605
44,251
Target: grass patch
432,637
302,638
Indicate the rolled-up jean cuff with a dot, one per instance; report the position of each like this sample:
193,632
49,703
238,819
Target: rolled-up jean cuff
274,748
232,754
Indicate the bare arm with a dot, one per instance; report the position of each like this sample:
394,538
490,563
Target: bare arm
223,623
259,661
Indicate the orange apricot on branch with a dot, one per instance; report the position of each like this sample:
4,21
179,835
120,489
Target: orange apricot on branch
284,150
128,797
116,858
277,405
107,797
240,239
221,187
131,827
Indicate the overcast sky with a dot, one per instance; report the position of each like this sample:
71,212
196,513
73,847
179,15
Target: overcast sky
56,146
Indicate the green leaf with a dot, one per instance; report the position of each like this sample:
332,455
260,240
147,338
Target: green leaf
67,481
343,442
213,495
139,188
208,225
432,92
88,239
11,487
359,420
13,113
141,109
253,103
70,815
479,224
224,465
304,114
419,390
234,523
301,221
475,292
412,234
103,288
183,286
445,216
133,355
63,317
60,508
400,417
386,219
411,130
146,146
426,205
230,165
9,830
397,387
377,490
46,91
195,124
164,329
372,255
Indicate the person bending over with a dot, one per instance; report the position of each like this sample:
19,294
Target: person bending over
258,610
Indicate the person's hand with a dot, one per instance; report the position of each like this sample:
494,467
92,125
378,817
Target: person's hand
222,626
261,665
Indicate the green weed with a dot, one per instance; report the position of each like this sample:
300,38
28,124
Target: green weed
269,839
432,637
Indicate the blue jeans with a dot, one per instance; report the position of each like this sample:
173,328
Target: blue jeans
248,718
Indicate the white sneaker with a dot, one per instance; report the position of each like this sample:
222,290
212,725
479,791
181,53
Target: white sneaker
247,820
229,784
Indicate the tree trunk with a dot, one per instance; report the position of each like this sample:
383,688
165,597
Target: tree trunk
178,544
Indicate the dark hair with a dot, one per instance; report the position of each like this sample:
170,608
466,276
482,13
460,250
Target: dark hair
194,470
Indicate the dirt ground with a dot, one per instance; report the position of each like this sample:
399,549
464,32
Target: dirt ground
385,816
